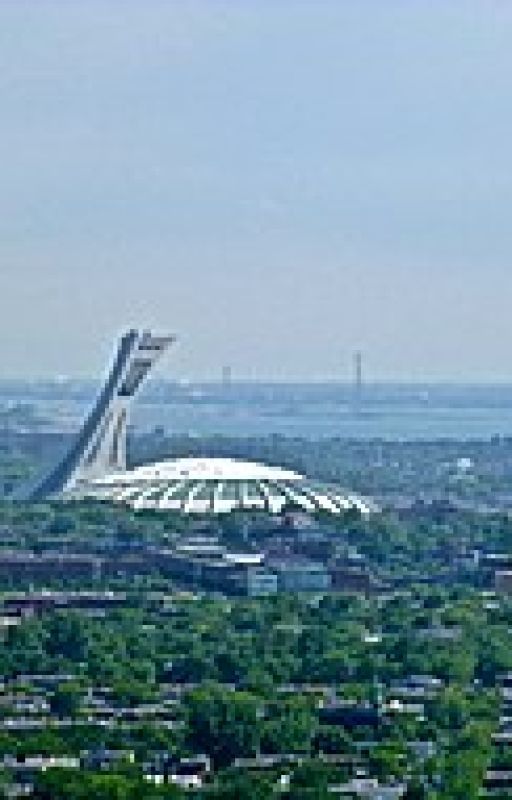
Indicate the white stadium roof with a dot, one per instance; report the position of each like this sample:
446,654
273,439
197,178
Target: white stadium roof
218,486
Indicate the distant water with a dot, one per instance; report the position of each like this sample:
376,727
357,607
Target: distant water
398,412
327,420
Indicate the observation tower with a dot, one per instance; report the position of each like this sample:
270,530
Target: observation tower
95,466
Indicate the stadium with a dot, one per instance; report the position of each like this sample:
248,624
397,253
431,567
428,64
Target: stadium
96,466
218,486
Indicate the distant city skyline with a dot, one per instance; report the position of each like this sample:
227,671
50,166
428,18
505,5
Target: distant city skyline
281,184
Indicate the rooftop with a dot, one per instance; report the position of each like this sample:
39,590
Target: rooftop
219,485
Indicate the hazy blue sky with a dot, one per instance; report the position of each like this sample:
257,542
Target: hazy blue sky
278,182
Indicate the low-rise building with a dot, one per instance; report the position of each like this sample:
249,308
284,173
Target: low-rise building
301,575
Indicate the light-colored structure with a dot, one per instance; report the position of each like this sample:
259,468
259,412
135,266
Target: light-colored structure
218,486
100,447
95,466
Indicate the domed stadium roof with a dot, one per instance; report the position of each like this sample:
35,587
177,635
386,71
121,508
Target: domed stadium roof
218,486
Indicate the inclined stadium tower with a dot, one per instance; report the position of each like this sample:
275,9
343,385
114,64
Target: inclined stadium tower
95,466
100,446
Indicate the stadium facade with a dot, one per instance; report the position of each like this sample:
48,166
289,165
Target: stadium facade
219,486
95,466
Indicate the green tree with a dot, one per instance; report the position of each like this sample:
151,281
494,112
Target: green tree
290,726
66,700
60,784
129,693
223,724
387,761
240,786
67,636
310,781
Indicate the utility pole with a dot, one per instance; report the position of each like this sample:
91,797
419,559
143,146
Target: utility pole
226,376
358,381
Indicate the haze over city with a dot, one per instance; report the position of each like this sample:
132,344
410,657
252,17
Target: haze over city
280,183
255,399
